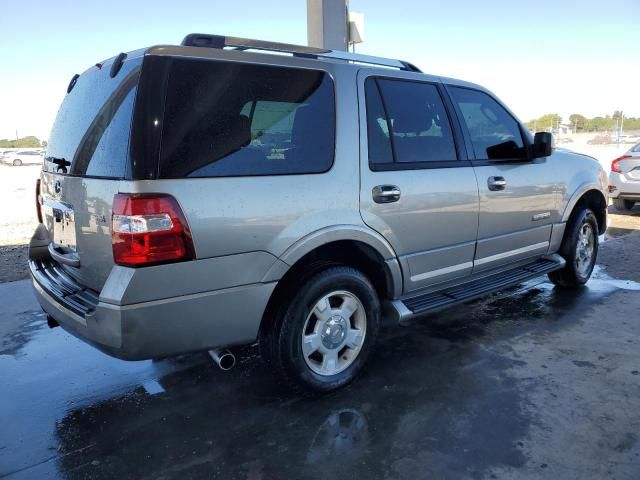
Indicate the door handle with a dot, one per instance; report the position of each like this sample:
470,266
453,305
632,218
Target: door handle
386,194
496,183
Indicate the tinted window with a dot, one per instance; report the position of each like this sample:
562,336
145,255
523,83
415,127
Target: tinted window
91,131
110,156
377,126
233,119
494,132
417,119
636,148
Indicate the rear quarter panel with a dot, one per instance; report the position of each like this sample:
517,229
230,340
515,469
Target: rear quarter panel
235,215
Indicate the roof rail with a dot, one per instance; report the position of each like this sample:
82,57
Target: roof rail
220,42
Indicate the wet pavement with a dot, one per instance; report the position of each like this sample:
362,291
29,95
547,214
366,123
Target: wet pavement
533,382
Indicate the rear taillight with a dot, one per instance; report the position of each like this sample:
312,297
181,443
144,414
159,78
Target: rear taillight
148,229
614,165
38,204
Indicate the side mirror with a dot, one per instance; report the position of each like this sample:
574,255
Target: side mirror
542,145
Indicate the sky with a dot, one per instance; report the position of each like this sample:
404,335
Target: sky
547,56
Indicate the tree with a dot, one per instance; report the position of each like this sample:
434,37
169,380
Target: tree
24,142
546,122
578,122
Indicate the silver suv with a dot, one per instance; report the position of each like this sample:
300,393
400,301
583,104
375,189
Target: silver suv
215,194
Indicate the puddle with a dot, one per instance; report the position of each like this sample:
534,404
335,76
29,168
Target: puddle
152,387
601,281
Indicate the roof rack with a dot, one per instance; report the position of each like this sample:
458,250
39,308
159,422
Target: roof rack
220,42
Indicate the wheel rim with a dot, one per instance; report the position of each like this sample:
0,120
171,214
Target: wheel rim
334,333
585,249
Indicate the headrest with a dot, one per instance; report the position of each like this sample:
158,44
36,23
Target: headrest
302,126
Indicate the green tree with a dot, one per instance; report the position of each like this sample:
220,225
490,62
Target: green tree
546,123
24,142
578,122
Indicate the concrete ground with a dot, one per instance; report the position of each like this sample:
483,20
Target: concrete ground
533,382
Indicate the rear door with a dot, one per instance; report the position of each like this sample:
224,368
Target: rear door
417,188
87,157
518,197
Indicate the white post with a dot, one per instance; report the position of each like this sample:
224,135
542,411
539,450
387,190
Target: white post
328,24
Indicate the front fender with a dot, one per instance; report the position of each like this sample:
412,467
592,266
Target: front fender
582,174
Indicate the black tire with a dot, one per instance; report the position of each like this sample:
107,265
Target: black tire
571,276
622,204
281,342
17,162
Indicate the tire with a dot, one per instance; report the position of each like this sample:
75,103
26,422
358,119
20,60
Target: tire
338,340
579,248
622,204
17,162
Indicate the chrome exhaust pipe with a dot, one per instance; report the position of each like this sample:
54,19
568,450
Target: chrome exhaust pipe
223,357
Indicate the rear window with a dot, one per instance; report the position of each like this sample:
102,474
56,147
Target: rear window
232,119
90,135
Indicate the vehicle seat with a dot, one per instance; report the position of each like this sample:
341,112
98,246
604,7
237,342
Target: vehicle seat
237,153
305,149
416,143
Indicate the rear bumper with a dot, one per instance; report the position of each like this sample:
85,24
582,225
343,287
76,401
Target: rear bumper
157,328
623,188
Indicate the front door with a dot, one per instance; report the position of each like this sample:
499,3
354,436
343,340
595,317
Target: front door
417,188
518,198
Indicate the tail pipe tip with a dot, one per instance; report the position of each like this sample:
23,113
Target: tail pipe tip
223,357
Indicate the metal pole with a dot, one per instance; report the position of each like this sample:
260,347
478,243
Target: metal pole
328,24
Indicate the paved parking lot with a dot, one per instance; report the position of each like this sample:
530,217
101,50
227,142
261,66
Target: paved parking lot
529,383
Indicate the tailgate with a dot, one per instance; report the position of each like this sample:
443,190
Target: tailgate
87,157
77,214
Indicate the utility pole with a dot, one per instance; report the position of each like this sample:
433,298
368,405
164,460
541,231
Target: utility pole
328,24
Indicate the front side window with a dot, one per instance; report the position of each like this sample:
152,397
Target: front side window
494,133
407,123
233,119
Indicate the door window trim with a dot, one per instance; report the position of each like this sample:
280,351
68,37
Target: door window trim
456,133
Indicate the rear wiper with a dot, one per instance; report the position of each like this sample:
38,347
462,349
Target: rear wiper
63,162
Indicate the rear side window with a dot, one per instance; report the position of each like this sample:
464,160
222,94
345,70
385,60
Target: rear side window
233,119
494,133
407,123
90,135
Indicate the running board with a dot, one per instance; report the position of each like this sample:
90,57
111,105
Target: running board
411,306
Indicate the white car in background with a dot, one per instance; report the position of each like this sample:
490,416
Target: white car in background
624,179
22,157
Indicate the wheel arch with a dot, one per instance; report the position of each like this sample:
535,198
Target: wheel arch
589,195
353,246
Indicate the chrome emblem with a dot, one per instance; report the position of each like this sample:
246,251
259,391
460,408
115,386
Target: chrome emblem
540,216
57,186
